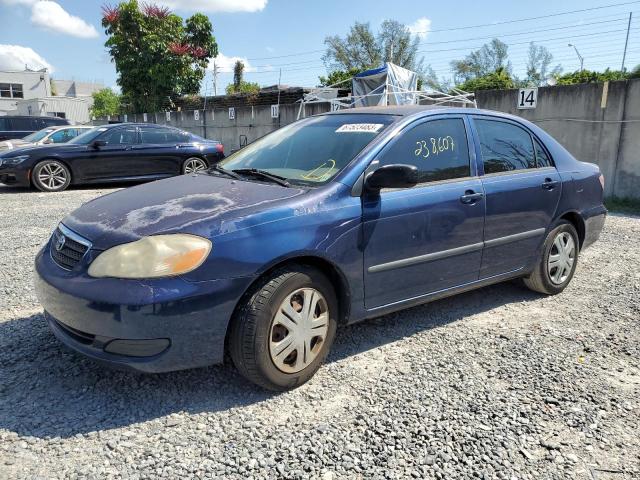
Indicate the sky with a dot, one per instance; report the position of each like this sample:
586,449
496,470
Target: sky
286,37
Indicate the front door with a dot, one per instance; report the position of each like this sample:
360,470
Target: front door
522,190
113,160
427,238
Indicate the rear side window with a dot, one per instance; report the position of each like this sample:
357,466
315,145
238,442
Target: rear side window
505,147
438,148
120,136
542,159
23,124
3,124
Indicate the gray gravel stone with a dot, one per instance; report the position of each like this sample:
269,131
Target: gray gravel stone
475,386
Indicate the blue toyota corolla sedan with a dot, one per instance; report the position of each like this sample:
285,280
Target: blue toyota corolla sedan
330,220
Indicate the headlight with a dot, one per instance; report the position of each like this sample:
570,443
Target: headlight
13,160
152,257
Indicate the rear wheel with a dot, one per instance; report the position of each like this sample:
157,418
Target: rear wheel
193,165
51,176
283,331
558,261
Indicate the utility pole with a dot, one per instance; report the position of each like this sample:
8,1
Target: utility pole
215,78
626,42
279,79
579,56
204,112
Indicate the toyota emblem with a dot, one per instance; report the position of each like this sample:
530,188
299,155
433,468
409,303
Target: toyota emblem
60,241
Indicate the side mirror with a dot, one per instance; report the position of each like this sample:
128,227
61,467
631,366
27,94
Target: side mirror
47,141
392,176
98,143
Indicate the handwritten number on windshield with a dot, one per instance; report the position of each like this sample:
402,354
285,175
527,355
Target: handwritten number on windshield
438,145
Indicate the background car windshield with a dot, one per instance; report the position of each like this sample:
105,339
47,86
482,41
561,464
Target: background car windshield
88,136
37,136
311,151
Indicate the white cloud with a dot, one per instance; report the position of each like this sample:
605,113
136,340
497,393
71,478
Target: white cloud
212,6
421,27
15,57
52,16
225,64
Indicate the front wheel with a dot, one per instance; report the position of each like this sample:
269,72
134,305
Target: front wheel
558,261
193,165
284,329
51,176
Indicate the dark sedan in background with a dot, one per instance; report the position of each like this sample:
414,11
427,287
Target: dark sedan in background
122,152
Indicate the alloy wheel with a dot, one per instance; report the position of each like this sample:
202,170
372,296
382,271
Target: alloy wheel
561,258
52,176
298,330
193,165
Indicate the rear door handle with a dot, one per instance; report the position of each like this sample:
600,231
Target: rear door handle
470,197
549,184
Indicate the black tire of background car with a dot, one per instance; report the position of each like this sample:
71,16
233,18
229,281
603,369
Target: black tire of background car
35,174
539,280
251,326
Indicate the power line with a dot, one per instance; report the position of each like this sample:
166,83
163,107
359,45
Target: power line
472,26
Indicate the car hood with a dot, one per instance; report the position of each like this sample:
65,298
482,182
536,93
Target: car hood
13,143
176,204
34,149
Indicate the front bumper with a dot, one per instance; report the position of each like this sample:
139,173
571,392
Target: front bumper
14,176
160,326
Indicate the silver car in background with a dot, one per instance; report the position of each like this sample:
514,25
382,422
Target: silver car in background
53,134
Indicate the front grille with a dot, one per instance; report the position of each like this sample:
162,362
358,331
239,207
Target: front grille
67,248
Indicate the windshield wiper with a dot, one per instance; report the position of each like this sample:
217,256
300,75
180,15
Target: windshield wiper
261,173
229,173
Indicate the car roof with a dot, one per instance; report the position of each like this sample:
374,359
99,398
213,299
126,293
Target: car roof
403,111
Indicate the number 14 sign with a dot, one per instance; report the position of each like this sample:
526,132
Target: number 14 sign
527,98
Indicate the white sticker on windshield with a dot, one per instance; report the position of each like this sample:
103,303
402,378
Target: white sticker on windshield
360,127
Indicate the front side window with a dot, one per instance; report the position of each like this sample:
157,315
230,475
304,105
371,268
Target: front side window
438,148
63,136
505,147
311,151
120,136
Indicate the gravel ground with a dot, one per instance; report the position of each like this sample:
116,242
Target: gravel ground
496,383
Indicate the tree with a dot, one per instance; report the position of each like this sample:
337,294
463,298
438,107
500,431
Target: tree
244,87
488,59
538,64
500,79
588,76
361,49
158,57
105,102
238,70
339,78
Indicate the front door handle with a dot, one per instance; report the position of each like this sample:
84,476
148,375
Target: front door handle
470,197
549,184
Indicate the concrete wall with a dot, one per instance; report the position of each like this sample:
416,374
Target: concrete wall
598,123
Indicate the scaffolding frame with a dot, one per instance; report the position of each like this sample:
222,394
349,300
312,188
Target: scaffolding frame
455,96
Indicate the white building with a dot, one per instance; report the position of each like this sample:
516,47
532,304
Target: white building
35,93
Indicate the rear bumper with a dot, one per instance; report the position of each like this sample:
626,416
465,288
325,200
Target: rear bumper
593,224
159,327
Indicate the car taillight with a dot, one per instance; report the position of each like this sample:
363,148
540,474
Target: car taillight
220,147
601,178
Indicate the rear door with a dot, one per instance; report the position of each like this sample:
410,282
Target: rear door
522,191
426,238
158,151
113,160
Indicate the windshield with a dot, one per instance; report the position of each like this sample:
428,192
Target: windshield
311,151
37,136
88,136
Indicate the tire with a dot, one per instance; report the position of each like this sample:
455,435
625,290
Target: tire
193,165
51,176
552,275
258,336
